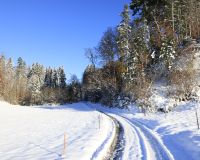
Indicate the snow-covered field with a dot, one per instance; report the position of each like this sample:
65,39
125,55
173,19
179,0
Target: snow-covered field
38,132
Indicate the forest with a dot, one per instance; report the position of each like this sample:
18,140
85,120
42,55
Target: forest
25,85
155,41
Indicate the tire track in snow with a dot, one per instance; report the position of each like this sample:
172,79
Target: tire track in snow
114,136
129,143
150,147
117,146
133,146
140,142
154,147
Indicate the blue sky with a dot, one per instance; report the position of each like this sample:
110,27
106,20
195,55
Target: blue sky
55,32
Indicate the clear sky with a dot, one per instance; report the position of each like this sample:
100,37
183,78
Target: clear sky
55,32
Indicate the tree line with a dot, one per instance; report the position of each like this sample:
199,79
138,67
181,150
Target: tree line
28,85
155,40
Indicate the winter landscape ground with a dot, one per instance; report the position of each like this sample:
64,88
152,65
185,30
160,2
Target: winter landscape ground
136,95
38,133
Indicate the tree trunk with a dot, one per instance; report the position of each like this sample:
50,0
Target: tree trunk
197,118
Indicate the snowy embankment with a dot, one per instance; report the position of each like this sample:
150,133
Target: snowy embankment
159,136
138,141
177,129
38,132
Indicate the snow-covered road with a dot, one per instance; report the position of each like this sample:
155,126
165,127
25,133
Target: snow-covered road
158,136
140,142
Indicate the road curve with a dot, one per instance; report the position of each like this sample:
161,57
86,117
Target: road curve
140,142
116,149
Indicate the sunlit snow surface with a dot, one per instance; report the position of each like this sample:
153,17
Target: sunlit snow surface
38,132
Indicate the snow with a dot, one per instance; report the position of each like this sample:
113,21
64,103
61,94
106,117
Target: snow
176,131
38,132
173,135
131,140
153,55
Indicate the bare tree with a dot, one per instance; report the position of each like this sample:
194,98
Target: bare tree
91,55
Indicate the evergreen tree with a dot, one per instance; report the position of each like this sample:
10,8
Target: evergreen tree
21,80
35,82
55,79
34,86
62,78
123,45
167,52
47,79
21,68
124,30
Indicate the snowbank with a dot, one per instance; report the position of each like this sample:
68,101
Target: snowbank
177,129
